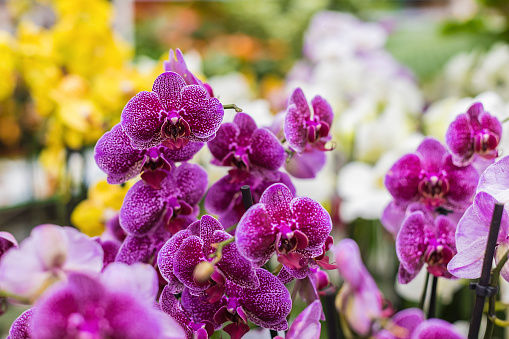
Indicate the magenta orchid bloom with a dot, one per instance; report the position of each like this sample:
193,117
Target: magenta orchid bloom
425,239
118,305
473,132
245,146
177,64
295,228
429,176
472,236
172,114
116,157
303,126
179,257
359,298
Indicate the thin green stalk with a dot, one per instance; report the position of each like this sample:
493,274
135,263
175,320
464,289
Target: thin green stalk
233,106
492,317
424,292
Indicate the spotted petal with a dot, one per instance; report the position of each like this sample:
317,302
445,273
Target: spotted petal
460,140
185,260
140,120
266,150
115,156
166,257
402,180
322,109
410,242
203,114
277,200
312,220
168,86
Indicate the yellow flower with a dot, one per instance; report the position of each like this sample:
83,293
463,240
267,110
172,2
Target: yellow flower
103,203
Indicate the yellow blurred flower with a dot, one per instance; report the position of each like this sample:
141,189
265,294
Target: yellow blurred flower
103,203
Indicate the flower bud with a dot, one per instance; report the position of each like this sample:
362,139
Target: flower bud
203,271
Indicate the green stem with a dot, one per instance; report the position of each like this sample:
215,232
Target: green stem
492,317
233,106
506,119
218,254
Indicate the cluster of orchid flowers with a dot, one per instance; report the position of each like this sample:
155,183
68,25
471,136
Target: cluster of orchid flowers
160,270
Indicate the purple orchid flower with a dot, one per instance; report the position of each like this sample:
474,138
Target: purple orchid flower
307,164
474,132
472,236
494,180
146,209
113,307
242,145
202,329
303,126
49,254
116,157
359,298
179,258
224,196
267,306
307,324
177,64
423,239
430,177
295,228
172,114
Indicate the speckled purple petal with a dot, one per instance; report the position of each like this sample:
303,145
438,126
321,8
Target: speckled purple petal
491,123
203,114
208,226
115,156
235,267
225,136
460,140
322,109
436,329
410,242
246,125
392,218
404,277
177,64
277,200
445,229
431,152
402,180
306,164
307,324
168,86
463,183
190,183
312,220
294,128
254,235
21,328
268,305
186,258
266,150
165,260
221,195
183,154
140,120
142,249
199,307
142,210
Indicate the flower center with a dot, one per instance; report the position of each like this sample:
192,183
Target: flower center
485,144
433,187
155,167
175,130
238,156
437,257
316,129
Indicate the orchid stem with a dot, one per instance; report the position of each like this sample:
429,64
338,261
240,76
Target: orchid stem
233,106
218,254
492,317
506,119
433,299
424,292
475,322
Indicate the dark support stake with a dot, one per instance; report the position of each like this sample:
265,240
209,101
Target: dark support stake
482,289
433,299
331,316
273,333
246,196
